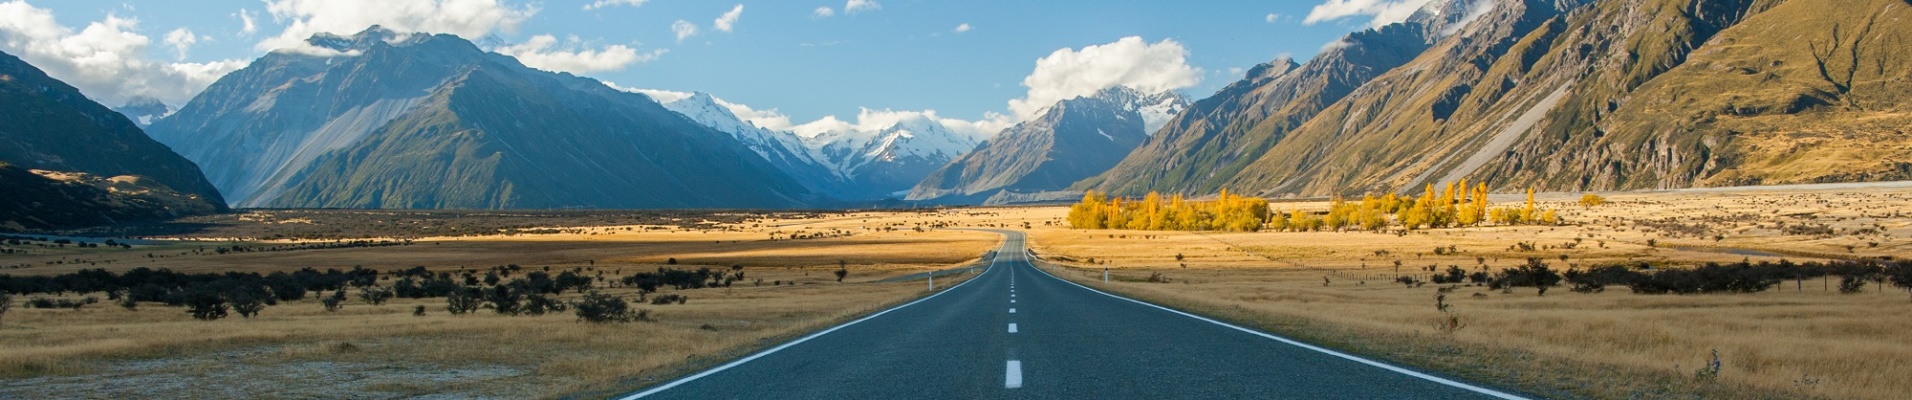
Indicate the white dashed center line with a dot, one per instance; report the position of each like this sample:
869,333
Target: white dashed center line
1012,328
1012,311
1012,377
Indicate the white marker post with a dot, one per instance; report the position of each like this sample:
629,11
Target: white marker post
1105,275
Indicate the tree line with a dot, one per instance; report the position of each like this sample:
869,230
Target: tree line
1456,205
1155,213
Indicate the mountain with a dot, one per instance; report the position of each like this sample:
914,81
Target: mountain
143,111
39,200
886,163
50,127
1559,95
382,119
1216,137
1072,140
784,150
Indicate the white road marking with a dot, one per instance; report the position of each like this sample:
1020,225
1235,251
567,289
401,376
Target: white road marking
752,357
1349,357
1012,311
1012,301
1012,328
1012,376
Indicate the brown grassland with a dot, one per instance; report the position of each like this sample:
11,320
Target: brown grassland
1799,340
299,350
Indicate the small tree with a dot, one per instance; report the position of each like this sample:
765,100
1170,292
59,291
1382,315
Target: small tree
334,302
205,304
6,303
1592,200
603,308
247,304
464,300
1900,274
377,295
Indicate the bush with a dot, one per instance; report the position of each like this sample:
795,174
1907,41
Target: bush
420,311
334,302
603,308
375,295
670,298
539,304
206,304
6,303
465,299
1535,274
248,304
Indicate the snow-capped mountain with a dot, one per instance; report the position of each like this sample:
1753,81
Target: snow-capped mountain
847,162
1038,159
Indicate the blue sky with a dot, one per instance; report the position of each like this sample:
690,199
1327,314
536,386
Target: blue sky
782,55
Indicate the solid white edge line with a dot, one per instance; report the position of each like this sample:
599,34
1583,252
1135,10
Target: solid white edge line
1349,357
773,350
1012,375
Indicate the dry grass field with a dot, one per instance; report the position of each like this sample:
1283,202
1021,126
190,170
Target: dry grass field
300,350
1801,339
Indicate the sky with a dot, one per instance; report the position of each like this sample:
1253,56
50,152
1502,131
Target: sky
793,63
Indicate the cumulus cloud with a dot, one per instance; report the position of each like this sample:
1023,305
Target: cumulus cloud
823,12
470,19
683,29
1130,61
1271,17
247,23
544,52
729,19
855,6
106,59
1381,12
963,28
181,39
607,3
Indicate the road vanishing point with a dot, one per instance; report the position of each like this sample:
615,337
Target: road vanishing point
1016,332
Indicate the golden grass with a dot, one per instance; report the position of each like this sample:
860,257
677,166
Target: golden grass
298,350
1784,343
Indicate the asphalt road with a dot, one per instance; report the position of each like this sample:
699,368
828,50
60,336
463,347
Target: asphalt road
1016,332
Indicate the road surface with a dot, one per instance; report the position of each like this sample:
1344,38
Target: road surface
1015,332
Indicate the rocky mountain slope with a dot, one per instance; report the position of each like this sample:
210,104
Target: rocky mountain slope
390,120
109,170
1560,95
1072,140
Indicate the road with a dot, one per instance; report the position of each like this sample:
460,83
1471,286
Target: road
1015,332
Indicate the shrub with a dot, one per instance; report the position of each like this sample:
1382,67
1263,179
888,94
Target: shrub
603,308
1852,284
670,298
420,311
539,304
334,302
1900,275
247,304
503,300
463,300
375,295
205,304
6,303
1535,274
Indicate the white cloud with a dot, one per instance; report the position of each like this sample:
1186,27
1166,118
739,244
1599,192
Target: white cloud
607,3
1130,61
729,19
106,59
855,6
1337,44
683,29
470,19
1383,12
544,52
823,12
1272,17
963,28
181,39
247,24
